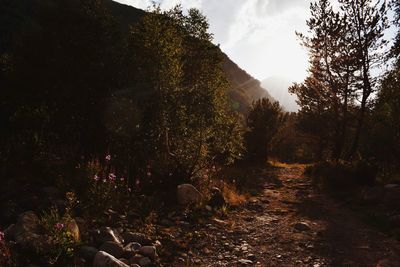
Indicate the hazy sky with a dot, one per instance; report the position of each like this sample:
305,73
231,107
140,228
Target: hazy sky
259,35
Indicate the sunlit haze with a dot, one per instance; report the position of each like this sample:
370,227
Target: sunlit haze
259,35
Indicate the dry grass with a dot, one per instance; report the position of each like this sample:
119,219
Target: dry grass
230,193
277,164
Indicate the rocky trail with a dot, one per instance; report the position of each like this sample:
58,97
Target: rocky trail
287,223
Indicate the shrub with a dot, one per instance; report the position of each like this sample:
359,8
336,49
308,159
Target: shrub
59,243
342,176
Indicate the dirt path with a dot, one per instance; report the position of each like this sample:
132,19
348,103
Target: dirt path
264,231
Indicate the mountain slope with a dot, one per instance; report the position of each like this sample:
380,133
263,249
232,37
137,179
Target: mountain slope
16,15
244,88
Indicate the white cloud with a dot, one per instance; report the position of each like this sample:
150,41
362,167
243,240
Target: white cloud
259,35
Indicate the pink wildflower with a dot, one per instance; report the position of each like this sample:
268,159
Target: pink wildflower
148,173
112,177
122,179
59,226
96,177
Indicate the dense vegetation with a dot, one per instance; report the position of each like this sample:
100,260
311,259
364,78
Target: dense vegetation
118,107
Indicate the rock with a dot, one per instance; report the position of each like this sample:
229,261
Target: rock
113,248
133,246
103,259
188,194
251,257
73,228
372,195
148,251
26,231
245,262
302,226
87,253
136,237
145,261
105,234
217,200
124,261
135,259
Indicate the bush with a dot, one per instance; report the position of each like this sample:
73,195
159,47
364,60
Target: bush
60,242
342,176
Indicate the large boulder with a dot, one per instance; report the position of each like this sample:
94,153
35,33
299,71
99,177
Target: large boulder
27,230
148,251
188,194
103,259
113,248
88,253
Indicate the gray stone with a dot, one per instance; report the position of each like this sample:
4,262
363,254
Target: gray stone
105,234
133,246
26,231
112,248
188,194
148,251
88,253
136,237
103,259
245,262
145,261
302,226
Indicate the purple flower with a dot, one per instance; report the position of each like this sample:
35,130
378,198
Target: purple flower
108,157
96,177
59,226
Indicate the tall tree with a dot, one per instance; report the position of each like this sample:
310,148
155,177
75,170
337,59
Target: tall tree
263,121
368,21
327,92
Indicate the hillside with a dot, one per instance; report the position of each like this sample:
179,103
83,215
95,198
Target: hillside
244,88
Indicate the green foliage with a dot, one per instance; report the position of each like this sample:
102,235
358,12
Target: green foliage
154,95
342,176
59,243
264,120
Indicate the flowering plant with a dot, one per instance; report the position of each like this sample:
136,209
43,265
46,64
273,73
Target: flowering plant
107,190
60,242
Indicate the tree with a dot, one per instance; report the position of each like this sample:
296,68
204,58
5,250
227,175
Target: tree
344,47
326,95
368,21
263,121
187,121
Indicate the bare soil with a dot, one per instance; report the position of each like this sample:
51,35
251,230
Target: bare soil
263,232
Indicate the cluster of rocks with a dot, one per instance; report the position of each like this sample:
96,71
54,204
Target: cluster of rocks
113,247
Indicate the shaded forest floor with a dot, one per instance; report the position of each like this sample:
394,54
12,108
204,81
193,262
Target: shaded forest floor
287,222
